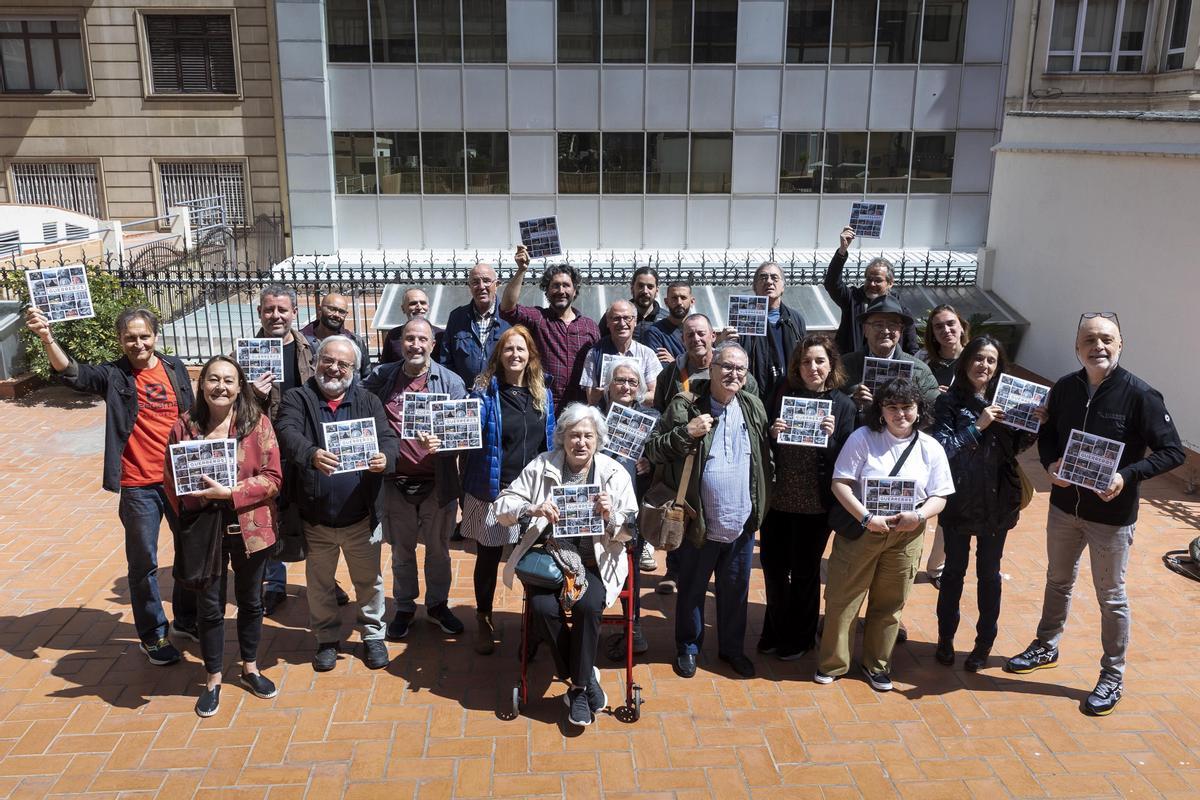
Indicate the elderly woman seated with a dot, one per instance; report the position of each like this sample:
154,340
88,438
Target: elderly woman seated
590,556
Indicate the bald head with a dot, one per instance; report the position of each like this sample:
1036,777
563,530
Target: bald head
415,303
622,317
332,313
482,283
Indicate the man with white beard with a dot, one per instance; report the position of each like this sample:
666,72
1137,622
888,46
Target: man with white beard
338,508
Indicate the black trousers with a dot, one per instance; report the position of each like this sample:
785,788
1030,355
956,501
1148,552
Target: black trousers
487,560
574,647
790,549
989,549
247,588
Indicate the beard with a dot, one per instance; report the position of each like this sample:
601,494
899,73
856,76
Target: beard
333,387
331,324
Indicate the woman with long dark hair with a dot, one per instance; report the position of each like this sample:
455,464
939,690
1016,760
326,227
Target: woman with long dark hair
987,497
796,529
518,424
226,409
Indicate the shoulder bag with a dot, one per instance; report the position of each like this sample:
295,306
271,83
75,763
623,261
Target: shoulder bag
198,555
849,526
664,516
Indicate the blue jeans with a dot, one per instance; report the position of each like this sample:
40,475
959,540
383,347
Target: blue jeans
989,549
142,509
731,562
275,576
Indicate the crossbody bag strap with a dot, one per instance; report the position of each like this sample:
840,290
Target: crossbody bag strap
681,495
904,456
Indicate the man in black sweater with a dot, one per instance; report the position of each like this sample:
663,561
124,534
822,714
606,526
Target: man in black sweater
878,280
1102,399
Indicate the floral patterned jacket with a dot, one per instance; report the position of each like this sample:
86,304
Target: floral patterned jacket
259,479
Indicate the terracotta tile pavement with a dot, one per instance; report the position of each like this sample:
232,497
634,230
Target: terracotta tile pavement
81,711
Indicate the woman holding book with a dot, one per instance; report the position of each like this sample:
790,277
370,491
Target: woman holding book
226,409
987,497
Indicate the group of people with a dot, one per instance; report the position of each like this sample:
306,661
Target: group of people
538,372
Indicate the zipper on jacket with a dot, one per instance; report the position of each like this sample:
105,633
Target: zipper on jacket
1087,407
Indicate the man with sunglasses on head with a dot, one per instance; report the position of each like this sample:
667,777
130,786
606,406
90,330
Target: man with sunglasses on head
785,328
878,280
331,321
1106,400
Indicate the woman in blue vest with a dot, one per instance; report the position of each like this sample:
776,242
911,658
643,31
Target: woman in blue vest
518,424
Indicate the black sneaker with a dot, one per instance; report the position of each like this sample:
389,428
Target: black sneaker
766,645
1036,656
1106,695
616,644
596,697
668,584
375,654
445,619
161,653
977,660
209,702
397,629
880,681
789,654
945,652
186,631
272,600
579,709
326,657
259,685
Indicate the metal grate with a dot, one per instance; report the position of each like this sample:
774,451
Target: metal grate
182,182
10,243
68,185
76,233
50,232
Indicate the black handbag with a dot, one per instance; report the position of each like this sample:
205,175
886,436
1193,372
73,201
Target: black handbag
292,546
843,522
198,554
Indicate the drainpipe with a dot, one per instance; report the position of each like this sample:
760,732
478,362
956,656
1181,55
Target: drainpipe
1029,52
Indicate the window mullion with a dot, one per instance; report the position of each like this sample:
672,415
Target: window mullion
1083,9
1113,53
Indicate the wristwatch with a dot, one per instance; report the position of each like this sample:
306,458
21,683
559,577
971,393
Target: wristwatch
920,517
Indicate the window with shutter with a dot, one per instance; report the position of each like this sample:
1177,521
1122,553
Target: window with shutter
67,185
191,53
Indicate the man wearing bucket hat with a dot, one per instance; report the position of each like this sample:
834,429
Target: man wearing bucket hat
883,323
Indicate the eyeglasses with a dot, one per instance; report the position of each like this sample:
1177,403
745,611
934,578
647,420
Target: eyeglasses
620,319
732,369
886,324
343,366
634,382
481,282
1109,315
335,310
768,277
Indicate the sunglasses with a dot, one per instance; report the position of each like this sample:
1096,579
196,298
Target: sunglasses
1109,315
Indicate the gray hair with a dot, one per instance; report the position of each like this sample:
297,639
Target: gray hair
575,414
882,262
729,347
339,339
278,290
641,387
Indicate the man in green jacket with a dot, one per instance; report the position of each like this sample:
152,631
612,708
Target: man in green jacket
726,426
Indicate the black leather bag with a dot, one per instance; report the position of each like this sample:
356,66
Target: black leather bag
198,556
841,520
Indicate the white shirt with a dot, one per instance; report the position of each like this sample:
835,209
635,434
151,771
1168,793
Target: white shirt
650,364
873,454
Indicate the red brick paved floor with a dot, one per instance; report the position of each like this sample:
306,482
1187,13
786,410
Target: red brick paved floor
82,712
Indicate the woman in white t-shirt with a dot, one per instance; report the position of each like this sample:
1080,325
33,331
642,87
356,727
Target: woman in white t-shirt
879,564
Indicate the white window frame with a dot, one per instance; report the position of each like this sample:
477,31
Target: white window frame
1168,51
1114,55
98,210
230,219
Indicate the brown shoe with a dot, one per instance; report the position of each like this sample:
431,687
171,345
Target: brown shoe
485,634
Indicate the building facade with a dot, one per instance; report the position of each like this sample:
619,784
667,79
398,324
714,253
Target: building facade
674,124
121,109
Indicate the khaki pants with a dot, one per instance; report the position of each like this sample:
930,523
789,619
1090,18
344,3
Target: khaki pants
362,550
879,567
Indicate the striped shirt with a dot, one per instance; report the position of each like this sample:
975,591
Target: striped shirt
724,482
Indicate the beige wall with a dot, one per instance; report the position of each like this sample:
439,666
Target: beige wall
1097,214
1175,90
126,131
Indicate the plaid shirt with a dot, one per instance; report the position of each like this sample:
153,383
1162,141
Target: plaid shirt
562,346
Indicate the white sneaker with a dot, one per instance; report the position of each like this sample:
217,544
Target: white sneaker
646,562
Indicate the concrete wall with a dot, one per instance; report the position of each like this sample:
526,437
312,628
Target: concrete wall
1097,214
124,131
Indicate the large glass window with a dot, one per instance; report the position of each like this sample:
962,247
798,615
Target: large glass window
487,163
579,31
623,163
853,32
393,34
716,32
898,32
399,157
808,27
712,163
1181,11
887,163
943,31
666,163
845,167
442,163
625,31
41,56
346,31
439,32
800,163
932,163
1098,36
354,170
579,163
485,31
671,31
